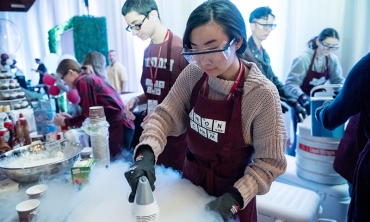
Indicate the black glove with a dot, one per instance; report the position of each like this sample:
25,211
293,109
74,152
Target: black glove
304,101
143,166
300,112
284,106
319,109
228,204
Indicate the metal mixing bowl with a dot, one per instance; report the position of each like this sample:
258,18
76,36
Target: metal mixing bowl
34,173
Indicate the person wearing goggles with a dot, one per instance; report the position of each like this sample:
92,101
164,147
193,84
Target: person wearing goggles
162,65
316,65
230,111
262,23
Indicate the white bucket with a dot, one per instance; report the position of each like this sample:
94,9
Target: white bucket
315,156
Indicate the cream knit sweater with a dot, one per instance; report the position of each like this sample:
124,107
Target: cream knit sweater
263,125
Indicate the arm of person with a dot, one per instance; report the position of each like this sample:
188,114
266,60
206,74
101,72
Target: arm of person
88,97
336,73
351,98
296,76
266,132
171,116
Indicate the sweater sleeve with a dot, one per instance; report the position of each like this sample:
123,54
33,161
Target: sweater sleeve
296,76
265,130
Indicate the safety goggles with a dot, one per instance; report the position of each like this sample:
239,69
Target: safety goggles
329,47
211,55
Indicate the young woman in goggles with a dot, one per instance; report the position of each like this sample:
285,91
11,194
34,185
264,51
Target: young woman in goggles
230,111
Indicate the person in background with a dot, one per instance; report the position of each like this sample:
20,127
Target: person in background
117,73
94,91
41,69
262,23
162,65
353,99
313,67
95,63
230,111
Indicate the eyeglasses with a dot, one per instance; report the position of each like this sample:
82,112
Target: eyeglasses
329,47
267,27
136,27
64,75
196,56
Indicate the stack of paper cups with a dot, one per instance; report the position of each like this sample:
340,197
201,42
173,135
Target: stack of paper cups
99,135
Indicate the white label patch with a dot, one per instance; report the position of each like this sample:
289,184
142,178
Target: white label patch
203,131
191,114
197,119
193,125
212,136
219,126
207,123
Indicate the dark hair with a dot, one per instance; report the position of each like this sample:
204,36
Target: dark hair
67,64
143,7
98,63
260,13
37,60
326,33
222,12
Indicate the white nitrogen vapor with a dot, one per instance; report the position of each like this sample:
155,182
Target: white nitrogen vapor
105,198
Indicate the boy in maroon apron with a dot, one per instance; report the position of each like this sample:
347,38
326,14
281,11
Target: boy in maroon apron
162,65
230,111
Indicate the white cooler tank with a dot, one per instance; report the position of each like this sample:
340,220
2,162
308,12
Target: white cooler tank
334,199
290,204
315,156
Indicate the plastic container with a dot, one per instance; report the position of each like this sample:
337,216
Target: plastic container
318,100
288,203
334,199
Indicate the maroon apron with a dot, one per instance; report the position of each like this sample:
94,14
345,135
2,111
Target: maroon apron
306,86
350,146
217,154
174,151
359,207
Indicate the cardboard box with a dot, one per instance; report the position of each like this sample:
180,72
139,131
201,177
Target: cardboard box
81,169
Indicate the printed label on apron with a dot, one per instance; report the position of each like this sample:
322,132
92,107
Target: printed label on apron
208,128
156,89
191,115
152,104
193,125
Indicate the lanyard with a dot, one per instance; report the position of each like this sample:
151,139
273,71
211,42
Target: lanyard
233,88
154,77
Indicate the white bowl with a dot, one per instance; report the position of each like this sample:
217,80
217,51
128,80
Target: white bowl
37,191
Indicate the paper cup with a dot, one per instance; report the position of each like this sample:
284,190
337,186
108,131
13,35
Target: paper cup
28,210
36,191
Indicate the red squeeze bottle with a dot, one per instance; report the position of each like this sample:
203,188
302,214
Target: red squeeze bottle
22,120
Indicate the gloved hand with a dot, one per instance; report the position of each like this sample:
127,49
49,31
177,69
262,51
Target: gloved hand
304,101
143,166
284,106
227,205
319,109
300,112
